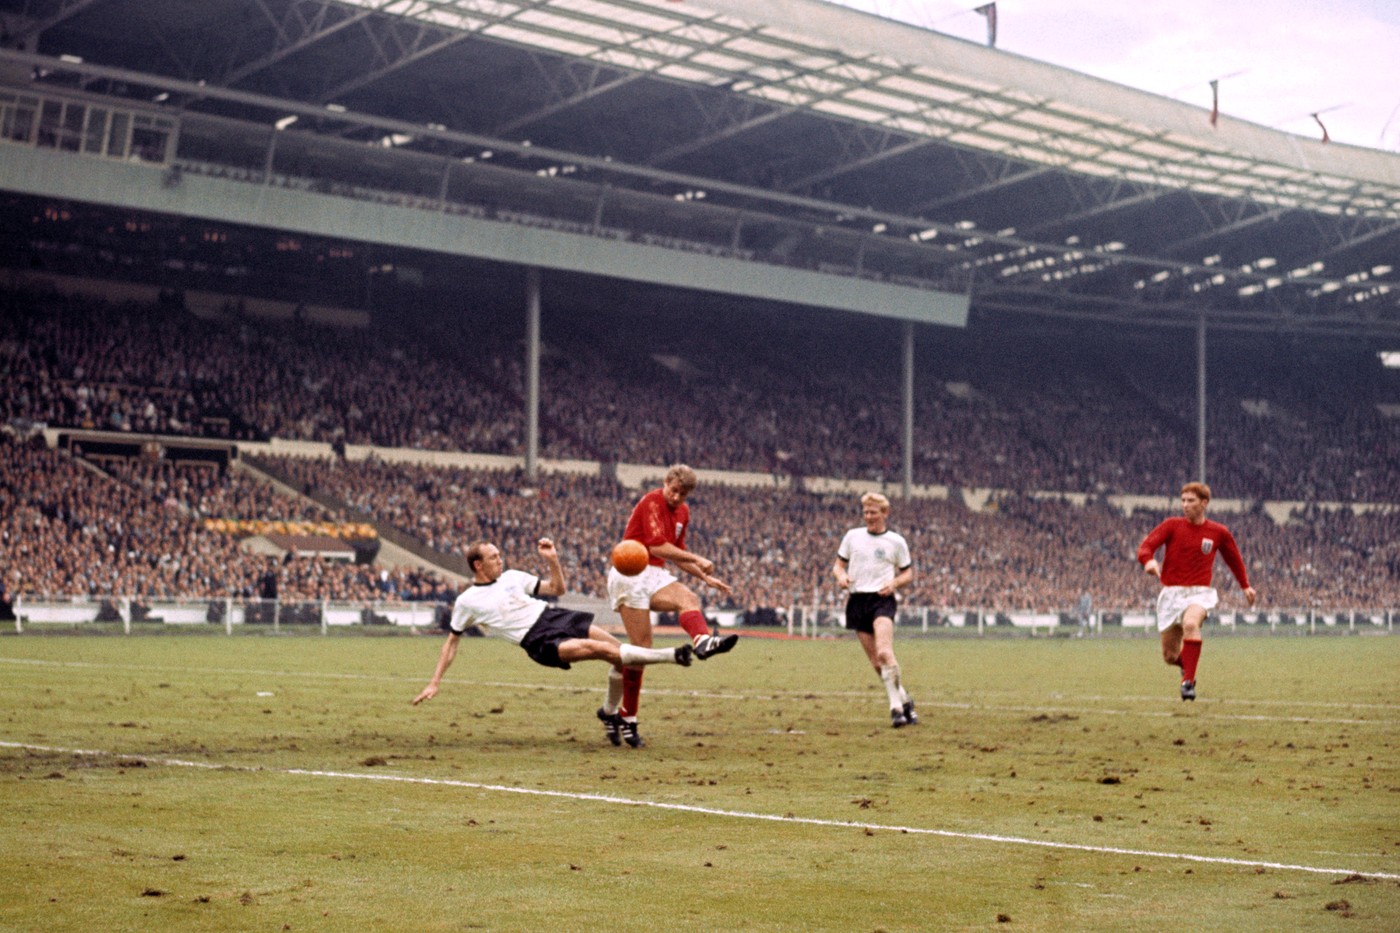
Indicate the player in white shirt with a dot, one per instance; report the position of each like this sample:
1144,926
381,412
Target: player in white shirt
872,563
505,603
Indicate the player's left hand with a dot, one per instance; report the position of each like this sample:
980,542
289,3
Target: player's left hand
718,584
547,548
1250,595
428,693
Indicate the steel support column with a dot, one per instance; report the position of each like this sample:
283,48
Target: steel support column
908,403
1201,397
532,372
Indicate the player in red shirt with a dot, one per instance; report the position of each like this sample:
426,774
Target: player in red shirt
1191,542
659,520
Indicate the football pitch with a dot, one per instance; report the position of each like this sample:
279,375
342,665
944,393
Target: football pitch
204,782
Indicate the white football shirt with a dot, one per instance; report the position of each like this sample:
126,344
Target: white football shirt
873,560
507,607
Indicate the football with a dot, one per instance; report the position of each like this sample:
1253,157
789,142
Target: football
630,557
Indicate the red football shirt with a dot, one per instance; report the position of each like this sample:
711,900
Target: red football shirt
654,522
1191,551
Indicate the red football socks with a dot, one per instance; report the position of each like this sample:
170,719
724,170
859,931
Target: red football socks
1190,654
694,624
631,691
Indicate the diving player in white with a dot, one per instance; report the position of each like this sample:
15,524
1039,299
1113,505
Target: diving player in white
506,603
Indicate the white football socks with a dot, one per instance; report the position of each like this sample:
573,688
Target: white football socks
633,655
890,675
614,697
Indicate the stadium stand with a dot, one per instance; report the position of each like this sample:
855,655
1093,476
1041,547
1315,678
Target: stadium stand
775,546
1022,416
1040,422
70,529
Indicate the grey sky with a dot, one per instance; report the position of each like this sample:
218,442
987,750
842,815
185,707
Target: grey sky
1278,61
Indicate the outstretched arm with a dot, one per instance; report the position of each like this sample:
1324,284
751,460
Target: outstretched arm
556,584
655,537
702,570
688,561
445,659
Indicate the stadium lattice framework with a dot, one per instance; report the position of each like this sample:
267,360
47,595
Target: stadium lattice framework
827,138
790,152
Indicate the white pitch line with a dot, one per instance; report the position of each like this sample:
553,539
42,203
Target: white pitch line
715,811
983,707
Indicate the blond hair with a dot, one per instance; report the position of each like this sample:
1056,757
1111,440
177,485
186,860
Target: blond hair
876,498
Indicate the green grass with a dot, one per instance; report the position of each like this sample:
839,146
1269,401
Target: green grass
1290,757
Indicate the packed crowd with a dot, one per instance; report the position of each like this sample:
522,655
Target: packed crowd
815,397
776,547
75,362
70,529
811,397
209,490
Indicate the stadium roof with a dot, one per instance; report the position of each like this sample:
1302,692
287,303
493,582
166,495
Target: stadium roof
805,129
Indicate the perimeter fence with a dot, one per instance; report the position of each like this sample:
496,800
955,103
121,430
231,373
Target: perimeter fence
815,620
230,615
237,615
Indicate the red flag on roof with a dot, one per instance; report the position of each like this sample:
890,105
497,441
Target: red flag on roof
989,10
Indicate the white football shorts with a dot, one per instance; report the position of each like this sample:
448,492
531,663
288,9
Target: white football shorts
1173,600
636,592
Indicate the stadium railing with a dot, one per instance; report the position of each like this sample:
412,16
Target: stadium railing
231,615
235,615
819,620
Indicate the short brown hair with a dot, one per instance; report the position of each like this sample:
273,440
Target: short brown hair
1201,491
475,553
684,475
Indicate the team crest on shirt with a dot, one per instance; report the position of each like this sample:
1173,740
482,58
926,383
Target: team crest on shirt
1207,545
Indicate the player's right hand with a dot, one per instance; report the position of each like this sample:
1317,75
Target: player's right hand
428,693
